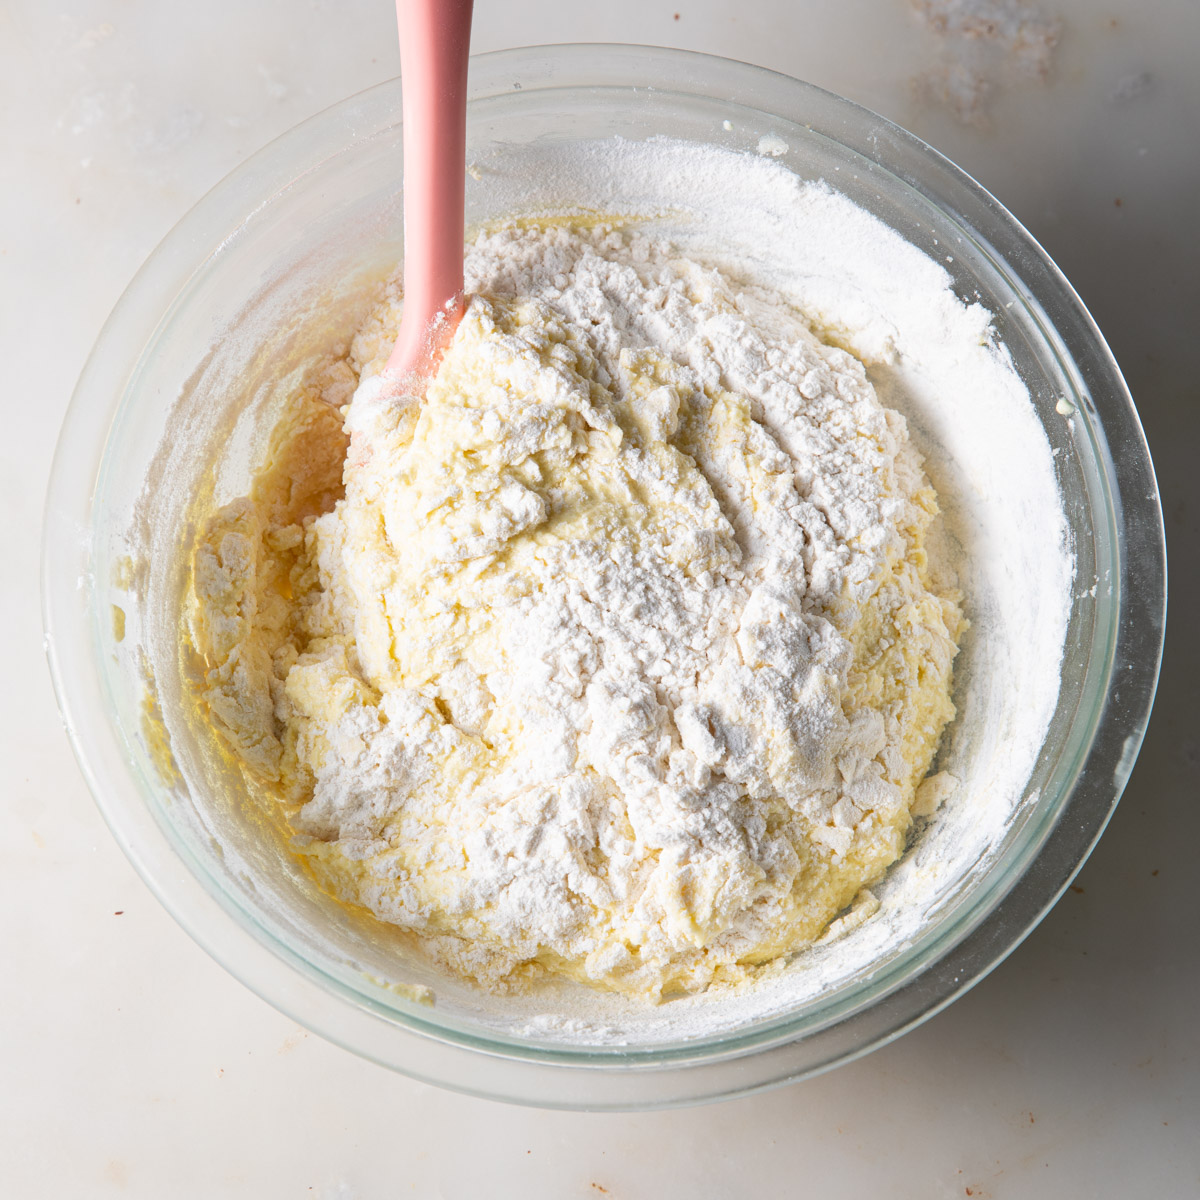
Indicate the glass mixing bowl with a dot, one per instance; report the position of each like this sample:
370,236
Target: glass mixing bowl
197,355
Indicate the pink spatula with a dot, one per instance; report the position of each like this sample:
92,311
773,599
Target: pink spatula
434,44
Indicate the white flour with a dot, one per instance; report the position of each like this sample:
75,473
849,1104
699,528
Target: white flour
673,692
631,548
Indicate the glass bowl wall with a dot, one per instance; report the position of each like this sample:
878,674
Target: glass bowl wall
199,352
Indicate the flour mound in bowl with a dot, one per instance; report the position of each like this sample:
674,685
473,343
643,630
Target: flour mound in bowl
617,656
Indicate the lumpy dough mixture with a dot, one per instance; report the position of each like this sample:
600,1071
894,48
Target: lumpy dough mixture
616,657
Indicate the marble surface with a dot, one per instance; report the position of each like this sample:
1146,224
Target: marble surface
131,1065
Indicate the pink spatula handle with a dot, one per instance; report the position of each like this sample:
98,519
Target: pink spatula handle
435,39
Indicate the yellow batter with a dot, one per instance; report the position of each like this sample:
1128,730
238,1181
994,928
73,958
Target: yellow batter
615,658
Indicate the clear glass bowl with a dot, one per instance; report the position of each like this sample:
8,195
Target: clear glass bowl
216,313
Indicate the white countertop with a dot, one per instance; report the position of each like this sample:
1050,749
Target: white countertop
131,1065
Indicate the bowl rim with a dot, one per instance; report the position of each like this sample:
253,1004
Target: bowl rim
1119,725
